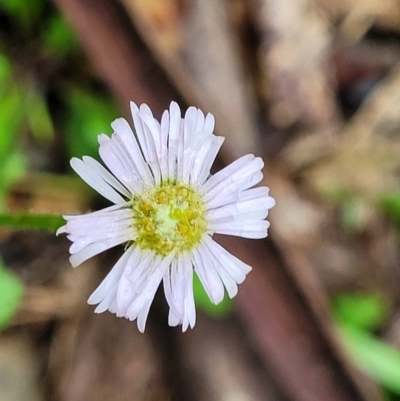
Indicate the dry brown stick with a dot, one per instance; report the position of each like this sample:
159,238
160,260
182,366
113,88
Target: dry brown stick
284,328
118,55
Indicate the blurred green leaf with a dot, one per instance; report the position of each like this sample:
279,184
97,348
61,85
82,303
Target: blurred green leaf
5,70
27,12
375,357
354,213
203,302
58,37
390,204
89,116
13,167
11,292
366,311
38,116
11,119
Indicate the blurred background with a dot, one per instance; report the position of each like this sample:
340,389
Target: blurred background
312,86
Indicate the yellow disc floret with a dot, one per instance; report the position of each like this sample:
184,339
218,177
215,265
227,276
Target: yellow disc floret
169,217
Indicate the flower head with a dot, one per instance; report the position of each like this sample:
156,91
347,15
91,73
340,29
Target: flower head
166,208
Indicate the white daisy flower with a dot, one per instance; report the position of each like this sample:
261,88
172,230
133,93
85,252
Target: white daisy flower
167,206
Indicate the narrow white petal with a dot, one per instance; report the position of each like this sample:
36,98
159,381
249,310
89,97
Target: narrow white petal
247,229
241,207
137,121
152,133
231,192
88,225
250,216
124,132
95,181
200,123
236,267
62,230
142,317
96,248
105,175
102,138
209,124
204,173
120,167
189,318
85,254
173,138
167,285
208,276
173,320
98,213
226,172
227,279
140,306
189,132
106,301
111,279
178,288
164,128
235,180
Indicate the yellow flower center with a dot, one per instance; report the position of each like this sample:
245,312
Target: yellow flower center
169,217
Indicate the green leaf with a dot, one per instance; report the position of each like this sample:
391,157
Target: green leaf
202,301
89,116
390,204
365,311
38,116
27,12
58,37
11,292
11,119
376,358
14,166
5,69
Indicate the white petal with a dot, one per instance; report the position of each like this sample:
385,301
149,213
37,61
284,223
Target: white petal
204,173
189,318
95,181
141,304
173,138
151,130
229,282
132,158
62,230
120,166
106,301
105,175
111,279
238,179
227,172
208,276
189,132
178,288
173,320
232,192
209,124
137,121
164,144
246,229
124,132
236,268
241,207
96,248
200,123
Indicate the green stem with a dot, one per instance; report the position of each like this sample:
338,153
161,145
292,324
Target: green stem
28,221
